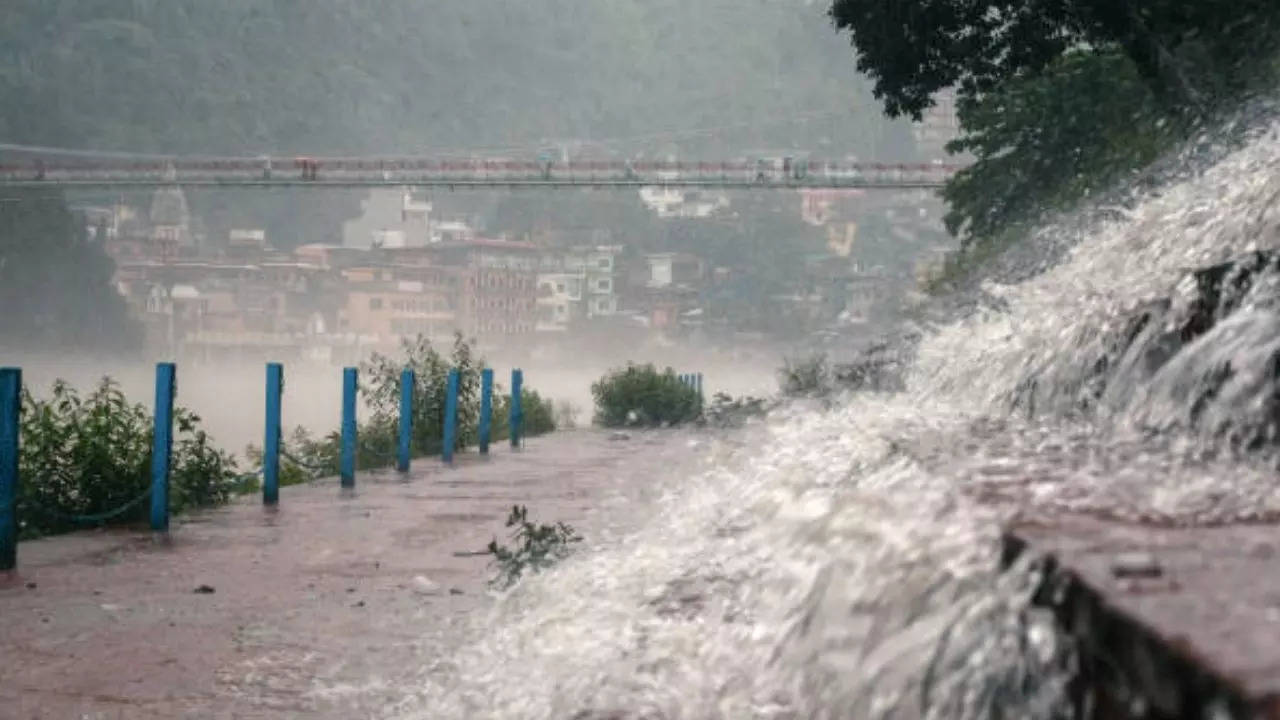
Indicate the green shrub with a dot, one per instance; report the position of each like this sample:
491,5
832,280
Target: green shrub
377,438
805,377
539,415
85,457
641,395
536,547
380,386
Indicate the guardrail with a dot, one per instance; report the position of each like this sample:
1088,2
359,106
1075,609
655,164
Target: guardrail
273,447
800,173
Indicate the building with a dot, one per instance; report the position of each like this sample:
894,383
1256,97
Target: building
497,285
821,207
665,289
385,311
668,269
559,302
577,284
390,218
674,202
170,218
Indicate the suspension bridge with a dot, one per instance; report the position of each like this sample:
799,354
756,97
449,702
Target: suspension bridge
52,167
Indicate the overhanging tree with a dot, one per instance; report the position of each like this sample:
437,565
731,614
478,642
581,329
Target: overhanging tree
1045,140
1186,51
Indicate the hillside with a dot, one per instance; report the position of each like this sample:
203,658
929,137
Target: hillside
245,76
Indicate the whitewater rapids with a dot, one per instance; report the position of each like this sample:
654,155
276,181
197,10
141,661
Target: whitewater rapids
841,562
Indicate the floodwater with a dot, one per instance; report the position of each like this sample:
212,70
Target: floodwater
324,608
836,561
840,562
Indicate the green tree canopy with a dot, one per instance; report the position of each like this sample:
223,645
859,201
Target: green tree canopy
1044,140
55,282
1184,50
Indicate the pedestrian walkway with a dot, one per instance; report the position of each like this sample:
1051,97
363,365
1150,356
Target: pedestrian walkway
314,608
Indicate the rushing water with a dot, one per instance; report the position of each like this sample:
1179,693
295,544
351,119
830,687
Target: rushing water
841,562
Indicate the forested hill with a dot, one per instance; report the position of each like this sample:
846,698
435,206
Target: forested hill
246,76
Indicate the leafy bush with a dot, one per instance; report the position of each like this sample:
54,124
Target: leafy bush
380,385
377,438
537,547
641,395
87,460
539,415
805,377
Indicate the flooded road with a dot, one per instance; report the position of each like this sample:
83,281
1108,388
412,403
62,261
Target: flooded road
838,560
325,608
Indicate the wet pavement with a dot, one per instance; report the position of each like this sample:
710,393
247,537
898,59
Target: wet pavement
319,608
1188,617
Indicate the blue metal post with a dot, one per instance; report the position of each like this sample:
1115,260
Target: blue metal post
450,417
271,437
162,447
517,412
10,405
486,409
348,463
408,380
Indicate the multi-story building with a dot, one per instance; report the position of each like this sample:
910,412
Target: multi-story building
579,283
665,289
497,285
383,312
559,300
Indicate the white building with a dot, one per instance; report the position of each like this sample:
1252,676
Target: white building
390,216
170,217
578,283
559,300
672,202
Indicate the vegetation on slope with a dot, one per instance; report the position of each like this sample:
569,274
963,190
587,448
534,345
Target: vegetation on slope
1058,100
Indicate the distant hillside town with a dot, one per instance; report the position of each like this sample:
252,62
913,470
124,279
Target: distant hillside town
402,269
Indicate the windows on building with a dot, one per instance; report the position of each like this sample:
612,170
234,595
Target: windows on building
375,303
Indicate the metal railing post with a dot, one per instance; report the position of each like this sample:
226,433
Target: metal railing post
450,417
10,409
516,418
486,409
407,382
271,436
348,461
162,446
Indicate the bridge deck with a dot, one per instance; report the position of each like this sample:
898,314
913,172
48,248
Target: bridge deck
19,170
